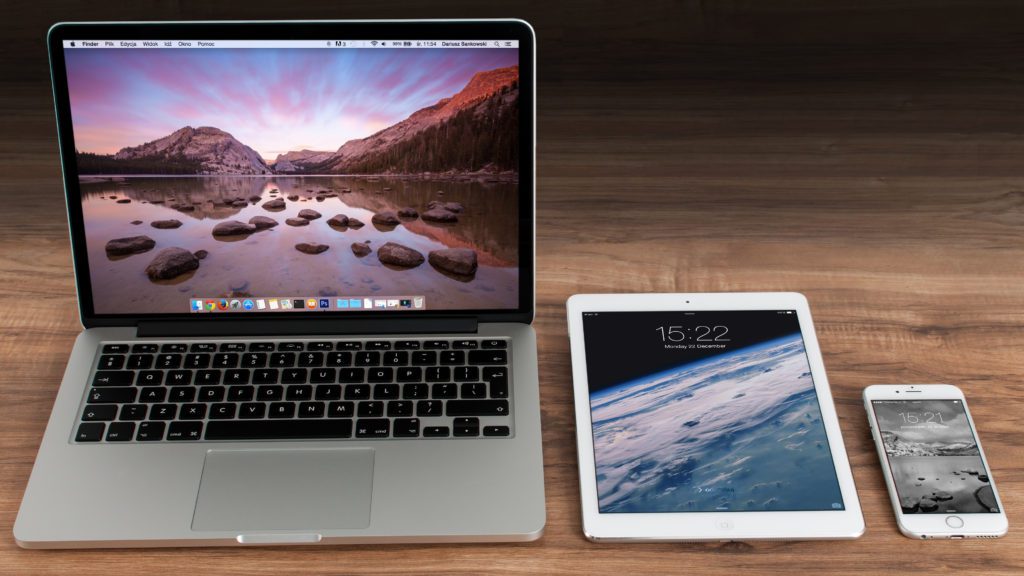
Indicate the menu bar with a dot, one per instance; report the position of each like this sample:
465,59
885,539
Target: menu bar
164,44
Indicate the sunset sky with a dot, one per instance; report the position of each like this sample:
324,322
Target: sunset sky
273,100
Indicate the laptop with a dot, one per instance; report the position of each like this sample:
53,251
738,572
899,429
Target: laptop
304,254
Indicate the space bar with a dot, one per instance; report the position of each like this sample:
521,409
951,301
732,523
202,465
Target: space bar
277,429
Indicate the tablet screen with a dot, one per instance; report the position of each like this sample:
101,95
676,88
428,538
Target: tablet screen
709,411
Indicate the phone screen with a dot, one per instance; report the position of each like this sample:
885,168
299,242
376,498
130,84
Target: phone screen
934,458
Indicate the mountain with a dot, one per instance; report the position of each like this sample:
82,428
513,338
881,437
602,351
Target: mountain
298,161
475,129
203,150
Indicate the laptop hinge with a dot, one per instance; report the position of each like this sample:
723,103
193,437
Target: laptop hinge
172,328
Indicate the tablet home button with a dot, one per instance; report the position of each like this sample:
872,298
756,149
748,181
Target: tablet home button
725,524
954,522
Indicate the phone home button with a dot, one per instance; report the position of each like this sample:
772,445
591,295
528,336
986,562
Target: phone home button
954,522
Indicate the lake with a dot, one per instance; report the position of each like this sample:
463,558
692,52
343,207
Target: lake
267,264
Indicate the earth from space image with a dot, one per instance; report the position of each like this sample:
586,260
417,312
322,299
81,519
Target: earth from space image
740,431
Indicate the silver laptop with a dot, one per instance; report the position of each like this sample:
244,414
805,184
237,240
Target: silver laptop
304,256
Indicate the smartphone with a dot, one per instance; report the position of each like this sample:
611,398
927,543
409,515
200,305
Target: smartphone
939,482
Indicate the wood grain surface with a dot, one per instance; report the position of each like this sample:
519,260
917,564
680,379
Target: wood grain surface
866,153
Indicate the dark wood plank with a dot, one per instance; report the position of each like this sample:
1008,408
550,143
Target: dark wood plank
867,154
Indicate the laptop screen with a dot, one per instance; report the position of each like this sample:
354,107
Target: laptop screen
259,177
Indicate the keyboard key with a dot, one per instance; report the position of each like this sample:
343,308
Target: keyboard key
467,374
185,431
321,346
444,391
133,412
163,412
193,412
464,344
290,347
261,347
251,410
339,359
357,392
225,360
341,409
322,375
150,378
269,393
492,344
144,348
223,411
169,361
111,362
488,357
436,432
115,349
385,391
477,408
407,428
499,389
428,408
205,377
279,429
113,378
294,376
378,345
466,427
182,394
396,358
375,428
120,431
474,390
492,373
111,395
299,393
236,376
371,409
264,376
176,347
232,347
409,374
346,375
399,408
282,410
150,395
197,361
241,393
254,360
435,345
348,346
496,431
407,345
452,357
203,347
311,409
139,361
90,432
311,359
282,359
150,431
328,392
211,394
414,391
179,378
99,413
367,358
424,358
439,374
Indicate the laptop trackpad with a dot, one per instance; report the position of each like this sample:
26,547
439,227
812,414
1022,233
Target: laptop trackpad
246,490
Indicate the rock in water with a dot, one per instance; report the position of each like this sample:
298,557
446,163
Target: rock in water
201,254
136,222
130,245
263,222
233,228
339,220
309,214
398,255
408,213
386,218
293,197
165,224
275,204
461,261
170,263
124,201
453,207
439,215
927,504
311,248
255,198
297,222
355,223
360,249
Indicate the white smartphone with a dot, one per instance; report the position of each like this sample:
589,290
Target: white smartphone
939,482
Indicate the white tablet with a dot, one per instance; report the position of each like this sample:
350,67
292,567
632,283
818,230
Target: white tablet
706,417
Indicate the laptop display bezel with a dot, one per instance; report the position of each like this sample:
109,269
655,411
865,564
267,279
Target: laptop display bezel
299,30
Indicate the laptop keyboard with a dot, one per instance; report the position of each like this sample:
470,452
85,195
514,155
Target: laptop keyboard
298,390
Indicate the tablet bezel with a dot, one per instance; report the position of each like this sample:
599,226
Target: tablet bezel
668,526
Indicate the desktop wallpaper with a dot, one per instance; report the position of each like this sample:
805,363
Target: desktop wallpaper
215,173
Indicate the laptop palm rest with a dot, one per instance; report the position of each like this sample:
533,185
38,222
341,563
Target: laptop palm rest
259,490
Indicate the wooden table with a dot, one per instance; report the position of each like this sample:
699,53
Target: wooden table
867,154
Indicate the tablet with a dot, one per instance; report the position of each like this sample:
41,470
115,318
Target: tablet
706,417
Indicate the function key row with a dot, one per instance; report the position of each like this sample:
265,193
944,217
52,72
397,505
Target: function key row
206,347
